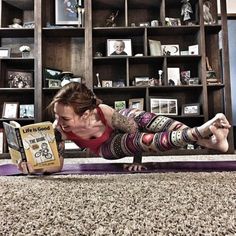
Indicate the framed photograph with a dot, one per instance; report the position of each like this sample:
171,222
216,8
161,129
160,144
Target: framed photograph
5,52
118,84
51,74
164,106
141,81
172,21
29,25
10,110
66,12
19,79
119,47
173,76
107,83
155,47
170,49
54,83
26,111
136,103
119,105
191,109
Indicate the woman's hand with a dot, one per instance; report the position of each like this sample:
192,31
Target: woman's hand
27,168
134,167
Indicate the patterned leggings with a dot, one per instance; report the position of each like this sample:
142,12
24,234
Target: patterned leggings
156,132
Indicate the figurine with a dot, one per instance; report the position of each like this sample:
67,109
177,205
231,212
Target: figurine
110,21
98,80
208,19
160,72
186,10
16,24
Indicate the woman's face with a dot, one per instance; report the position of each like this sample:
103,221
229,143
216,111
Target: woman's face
66,117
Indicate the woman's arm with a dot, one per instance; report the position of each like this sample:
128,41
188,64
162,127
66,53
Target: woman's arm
118,121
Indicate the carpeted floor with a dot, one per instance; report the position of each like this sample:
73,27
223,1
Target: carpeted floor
171,203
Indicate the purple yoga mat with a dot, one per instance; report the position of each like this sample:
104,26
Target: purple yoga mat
117,168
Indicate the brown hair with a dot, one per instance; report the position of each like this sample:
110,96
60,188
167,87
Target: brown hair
76,95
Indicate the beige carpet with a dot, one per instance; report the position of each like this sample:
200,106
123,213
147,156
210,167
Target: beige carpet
135,204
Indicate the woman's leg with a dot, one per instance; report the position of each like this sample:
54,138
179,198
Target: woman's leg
121,145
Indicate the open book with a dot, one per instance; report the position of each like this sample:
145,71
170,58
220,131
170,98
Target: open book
34,143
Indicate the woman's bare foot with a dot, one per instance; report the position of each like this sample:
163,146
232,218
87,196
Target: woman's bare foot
218,141
219,121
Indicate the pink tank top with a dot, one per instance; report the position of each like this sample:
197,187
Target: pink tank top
92,144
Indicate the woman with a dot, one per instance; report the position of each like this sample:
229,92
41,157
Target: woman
81,117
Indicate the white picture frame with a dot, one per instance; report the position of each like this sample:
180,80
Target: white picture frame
119,47
10,110
164,106
136,103
5,52
173,76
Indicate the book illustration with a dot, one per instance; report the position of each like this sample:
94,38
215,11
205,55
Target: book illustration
38,145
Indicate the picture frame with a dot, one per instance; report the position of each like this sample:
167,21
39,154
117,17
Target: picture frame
164,106
66,14
119,105
119,47
191,109
19,78
170,49
141,81
118,84
170,21
54,83
10,110
26,111
173,76
29,25
155,47
5,52
51,74
107,83
136,103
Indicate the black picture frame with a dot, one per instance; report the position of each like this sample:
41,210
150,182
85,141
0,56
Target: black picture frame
191,109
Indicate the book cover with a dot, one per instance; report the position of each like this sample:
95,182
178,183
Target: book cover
34,143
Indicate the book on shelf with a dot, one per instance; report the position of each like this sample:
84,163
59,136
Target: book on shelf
33,143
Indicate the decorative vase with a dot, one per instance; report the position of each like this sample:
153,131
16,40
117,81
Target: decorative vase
25,54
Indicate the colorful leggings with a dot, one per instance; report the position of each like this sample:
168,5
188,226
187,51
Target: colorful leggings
156,132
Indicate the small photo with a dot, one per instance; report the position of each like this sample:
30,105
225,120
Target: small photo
54,83
118,84
191,109
164,106
27,111
170,21
29,25
19,79
119,47
136,103
170,49
4,52
141,81
119,105
66,12
107,83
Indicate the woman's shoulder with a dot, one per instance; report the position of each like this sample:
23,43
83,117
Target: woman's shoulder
107,112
